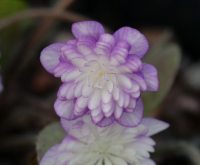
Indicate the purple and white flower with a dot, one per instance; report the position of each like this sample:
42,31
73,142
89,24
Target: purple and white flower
87,144
102,74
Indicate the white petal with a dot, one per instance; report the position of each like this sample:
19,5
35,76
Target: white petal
70,76
118,112
116,93
124,81
110,86
78,62
82,102
106,96
121,99
98,117
70,92
126,100
107,109
140,81
78,89
107,162
95,112
94,100
63,90
100,162
154,126
78,111
64,108
117,161
87,90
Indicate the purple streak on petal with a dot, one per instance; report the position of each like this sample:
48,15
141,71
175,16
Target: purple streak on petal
138,42
134,63
151,77
137,78
120,51
85,45
70,52
132,119
50,56
87,29
154,126
104,44
62,68
106,121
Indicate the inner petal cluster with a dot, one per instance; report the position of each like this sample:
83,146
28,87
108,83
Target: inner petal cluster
101,78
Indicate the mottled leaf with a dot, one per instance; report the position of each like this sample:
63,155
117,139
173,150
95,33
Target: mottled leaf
49,136
166,57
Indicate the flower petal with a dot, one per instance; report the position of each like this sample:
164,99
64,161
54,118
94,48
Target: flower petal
70,76
50,56
132,119
94,100
71,124
51,156
118,111
106,96
85,45
87,29
65,109
124,81
154,126
133,63
104,44
62,68
117,160
136,78
138,42
147,162
150,76
106,121
120,52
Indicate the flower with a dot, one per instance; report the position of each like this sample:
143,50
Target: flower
102,74
87,144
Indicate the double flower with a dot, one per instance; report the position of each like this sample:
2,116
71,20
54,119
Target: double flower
99,100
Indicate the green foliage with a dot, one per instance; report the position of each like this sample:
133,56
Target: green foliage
9,37
166,57
49,136
9,7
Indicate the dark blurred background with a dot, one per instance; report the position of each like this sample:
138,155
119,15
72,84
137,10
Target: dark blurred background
183,16
26,103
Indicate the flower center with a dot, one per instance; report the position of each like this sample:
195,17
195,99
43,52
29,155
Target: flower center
98,72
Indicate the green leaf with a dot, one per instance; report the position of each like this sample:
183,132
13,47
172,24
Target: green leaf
166,57
49,136
9,37
9,7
